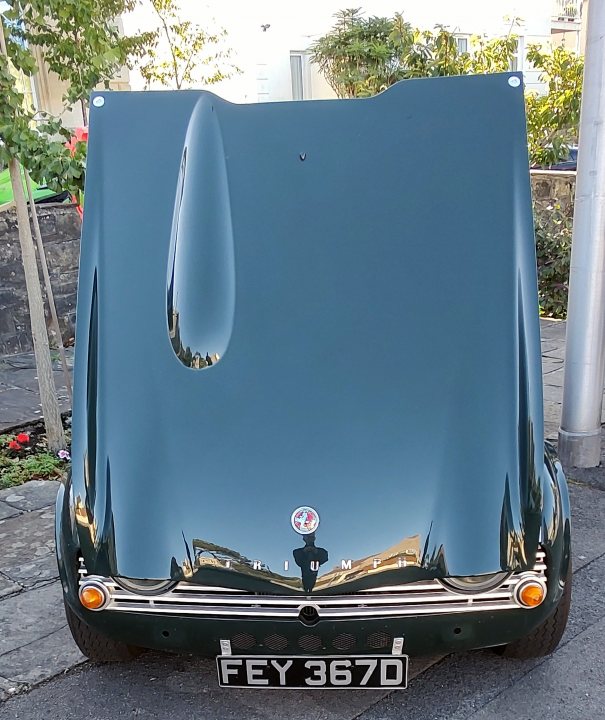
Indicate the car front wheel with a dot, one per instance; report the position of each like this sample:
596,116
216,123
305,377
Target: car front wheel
545,638
95,645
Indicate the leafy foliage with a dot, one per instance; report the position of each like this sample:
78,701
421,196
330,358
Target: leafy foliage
362,56
30,461
184,53
80,42
553,119
17,471
36,148
553,228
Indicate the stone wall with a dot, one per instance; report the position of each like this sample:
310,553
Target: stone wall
60,226
552,187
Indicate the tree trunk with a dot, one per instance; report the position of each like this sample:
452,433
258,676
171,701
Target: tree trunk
46,380
47,284
84,113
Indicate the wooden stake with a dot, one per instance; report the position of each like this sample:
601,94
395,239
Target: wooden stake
47,284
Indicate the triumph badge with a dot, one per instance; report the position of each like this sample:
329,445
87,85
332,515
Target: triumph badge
305,520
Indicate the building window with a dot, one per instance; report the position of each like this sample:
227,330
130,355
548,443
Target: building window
462,43
300,75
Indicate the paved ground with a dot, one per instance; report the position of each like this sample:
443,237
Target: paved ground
19,399
35,645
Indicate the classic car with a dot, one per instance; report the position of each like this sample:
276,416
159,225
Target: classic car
308,421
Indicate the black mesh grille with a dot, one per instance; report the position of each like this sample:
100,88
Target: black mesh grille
344,641
379,640
276,642
309,643
243,641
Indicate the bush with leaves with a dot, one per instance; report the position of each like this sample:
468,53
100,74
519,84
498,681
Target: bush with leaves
40,148
553,118
553,228
80,42
362,56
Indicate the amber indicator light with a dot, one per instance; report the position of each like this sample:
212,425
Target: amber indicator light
92,597
531,594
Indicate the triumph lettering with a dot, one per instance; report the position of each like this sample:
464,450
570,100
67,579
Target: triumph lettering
314,565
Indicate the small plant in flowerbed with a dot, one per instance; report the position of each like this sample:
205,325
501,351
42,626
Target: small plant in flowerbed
24,456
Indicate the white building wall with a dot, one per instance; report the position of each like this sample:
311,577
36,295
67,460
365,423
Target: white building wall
264,54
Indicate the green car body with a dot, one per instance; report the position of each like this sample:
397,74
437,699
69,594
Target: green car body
308,398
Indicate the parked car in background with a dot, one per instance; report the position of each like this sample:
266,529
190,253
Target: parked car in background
569,163
42,194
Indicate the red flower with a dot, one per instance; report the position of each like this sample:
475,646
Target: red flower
80,135
14,445
22,438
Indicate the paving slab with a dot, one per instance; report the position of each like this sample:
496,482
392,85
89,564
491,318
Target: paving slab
26,379
552,393
28,548
552,411
550,345
8,587
8,688
30,616
7,511
41,659
551,364
587,531
555,378
552,329
32,495
19,392
18,407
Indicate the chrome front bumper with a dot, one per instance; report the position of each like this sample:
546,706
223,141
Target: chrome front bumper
419,598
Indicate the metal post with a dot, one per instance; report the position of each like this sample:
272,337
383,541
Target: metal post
580,432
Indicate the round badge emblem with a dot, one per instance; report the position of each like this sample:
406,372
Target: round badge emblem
305,520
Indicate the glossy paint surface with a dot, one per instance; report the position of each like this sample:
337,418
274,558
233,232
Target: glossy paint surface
370,315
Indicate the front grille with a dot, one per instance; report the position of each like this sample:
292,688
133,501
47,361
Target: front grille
345,641
313,643
309,643
243,641
379,640
276,642
418,598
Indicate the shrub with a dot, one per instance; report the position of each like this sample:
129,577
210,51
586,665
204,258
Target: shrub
553,228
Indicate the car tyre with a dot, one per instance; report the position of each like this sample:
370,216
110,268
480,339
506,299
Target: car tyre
545,638
95,645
